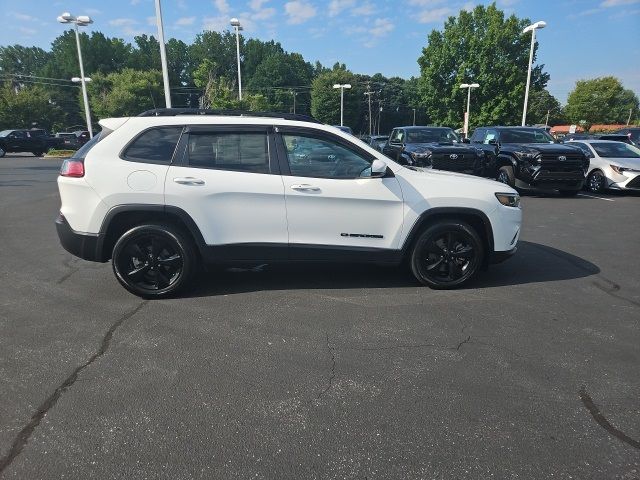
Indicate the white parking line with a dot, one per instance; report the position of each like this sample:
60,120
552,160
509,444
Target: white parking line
593,196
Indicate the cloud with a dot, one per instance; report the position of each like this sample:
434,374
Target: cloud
337,6
436,15
381,27
299,11
24,17
222,6
258,12
364,10
128,26
426,3
617,3
216,24
185,21
151,21
27,31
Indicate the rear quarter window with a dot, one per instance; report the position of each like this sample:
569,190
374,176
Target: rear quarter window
156,145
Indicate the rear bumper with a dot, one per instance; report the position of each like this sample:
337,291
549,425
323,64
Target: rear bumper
499,257
87,246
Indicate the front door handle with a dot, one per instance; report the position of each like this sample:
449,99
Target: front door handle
304,187
188,181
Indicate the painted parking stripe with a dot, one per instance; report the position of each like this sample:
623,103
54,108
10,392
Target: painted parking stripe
593,196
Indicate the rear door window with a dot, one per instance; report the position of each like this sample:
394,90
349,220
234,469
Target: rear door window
240,151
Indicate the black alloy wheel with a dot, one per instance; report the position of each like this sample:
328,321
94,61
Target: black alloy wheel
596,182
506,176
153,261
2,152
447,255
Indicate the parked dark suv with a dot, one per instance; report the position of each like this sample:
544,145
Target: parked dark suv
36,141
529,157
436,147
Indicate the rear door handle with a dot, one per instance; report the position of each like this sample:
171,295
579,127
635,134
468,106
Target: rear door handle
188,181
304,187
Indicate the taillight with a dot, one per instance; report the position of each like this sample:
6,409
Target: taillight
72,168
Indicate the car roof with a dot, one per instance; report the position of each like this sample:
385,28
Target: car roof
593,140
418,127
505,127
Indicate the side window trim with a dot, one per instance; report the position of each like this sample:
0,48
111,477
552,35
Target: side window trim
183,146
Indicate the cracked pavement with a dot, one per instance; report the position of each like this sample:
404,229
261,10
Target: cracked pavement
323,372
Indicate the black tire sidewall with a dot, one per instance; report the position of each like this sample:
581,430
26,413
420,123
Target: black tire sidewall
438,229
592,174
180,241
509,171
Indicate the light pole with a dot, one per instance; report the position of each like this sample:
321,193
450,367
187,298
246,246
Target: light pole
531,28
163,55
342,86
81,21
414,116
235,23
295,94
468,86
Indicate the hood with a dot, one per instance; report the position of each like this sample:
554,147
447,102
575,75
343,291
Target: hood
435,146
541,147
458,180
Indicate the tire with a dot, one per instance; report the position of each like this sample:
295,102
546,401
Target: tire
569,193
505,175
2,152
38,154
596,182
447,255
154,260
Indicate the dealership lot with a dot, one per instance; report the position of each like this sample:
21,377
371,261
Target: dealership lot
323,372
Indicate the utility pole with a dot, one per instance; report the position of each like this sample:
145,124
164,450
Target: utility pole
379,119
629,119
414,117
546,122
294,93
163,55
368,94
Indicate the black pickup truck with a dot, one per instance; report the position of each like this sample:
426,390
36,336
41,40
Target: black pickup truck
527,157
435,147
36,141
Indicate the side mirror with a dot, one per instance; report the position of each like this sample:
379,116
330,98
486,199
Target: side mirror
378,168
466,140
493,141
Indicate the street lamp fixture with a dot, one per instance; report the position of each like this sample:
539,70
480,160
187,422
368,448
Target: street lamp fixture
531,28
81,21
468,86
235,23
78,79
342,86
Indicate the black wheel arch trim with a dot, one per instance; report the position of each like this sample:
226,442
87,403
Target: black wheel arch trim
506,161
450,212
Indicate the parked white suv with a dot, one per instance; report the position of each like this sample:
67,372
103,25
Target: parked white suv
165,192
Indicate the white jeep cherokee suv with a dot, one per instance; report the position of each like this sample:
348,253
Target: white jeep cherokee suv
165,192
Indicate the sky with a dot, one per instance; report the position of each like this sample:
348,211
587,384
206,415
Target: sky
583,38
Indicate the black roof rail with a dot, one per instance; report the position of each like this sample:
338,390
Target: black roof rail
172,112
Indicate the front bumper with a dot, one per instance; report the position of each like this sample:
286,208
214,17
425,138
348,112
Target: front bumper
87,246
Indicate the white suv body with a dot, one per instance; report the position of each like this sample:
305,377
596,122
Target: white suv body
250,188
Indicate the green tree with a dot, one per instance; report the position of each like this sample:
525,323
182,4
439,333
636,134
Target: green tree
600,100
28,107
18,63
484,47
325,100
125,93
542,102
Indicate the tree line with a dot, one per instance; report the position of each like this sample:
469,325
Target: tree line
483,45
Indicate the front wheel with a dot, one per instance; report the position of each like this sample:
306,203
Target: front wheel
447,255
596,182
154,261
506,175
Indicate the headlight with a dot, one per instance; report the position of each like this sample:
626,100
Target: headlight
618,169
509,199
415,155
526,155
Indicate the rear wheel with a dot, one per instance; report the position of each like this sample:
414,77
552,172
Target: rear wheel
154,261
505,175
596,182
447,255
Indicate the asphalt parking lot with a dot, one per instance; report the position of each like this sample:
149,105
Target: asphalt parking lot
317,372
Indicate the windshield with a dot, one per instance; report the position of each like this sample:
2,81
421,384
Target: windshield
525,135
616,150
431,135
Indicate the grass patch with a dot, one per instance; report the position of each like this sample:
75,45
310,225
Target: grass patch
59,153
